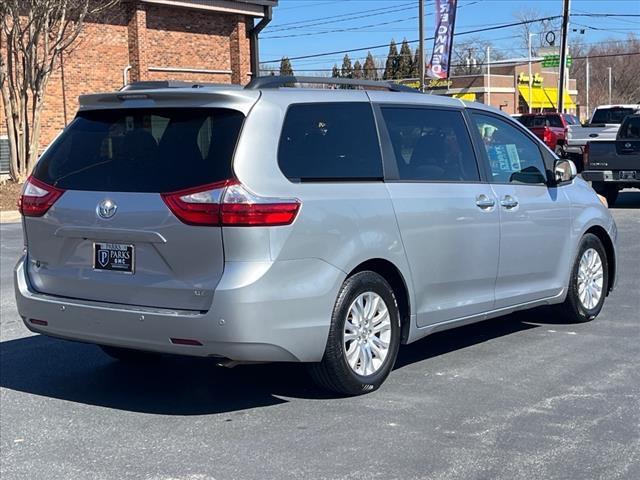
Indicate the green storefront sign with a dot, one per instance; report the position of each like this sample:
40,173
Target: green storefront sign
553,61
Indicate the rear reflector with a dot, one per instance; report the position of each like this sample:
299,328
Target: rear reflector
43,323
37,198
186,341
230,204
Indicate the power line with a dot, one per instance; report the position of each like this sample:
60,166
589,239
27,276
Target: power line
371,47
358,27
392,9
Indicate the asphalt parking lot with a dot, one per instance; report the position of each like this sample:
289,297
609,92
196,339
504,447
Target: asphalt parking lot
519,397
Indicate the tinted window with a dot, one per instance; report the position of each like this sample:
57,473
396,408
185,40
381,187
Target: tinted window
631,129
514,157
330,141
431,144
610,115
555,121
142,150
526,120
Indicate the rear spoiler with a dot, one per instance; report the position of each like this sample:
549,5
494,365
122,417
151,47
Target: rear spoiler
237,99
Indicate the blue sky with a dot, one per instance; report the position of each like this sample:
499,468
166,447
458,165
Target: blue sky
316,26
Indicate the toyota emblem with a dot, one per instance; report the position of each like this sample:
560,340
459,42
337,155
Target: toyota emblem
106,209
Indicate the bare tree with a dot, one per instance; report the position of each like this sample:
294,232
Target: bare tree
470,56
537,29
621,57
33,35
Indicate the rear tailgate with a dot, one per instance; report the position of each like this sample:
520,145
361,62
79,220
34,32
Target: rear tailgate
614,155
110,237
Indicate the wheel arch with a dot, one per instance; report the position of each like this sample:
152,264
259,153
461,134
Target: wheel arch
609,249
396,280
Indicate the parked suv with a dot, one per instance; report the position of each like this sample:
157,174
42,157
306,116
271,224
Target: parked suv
273,224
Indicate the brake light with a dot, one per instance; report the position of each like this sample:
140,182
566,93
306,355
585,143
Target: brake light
37,197
229,203
585,156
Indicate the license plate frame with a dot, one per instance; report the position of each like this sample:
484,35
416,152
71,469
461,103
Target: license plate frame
120,257
627,175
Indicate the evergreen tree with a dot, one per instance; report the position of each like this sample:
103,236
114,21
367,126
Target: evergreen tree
415,65
369,70
405,61
391,66
357,70
347,69
285,67
335,73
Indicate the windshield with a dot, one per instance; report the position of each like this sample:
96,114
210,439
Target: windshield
611,115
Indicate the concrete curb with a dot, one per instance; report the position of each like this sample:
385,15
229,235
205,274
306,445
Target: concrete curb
9,216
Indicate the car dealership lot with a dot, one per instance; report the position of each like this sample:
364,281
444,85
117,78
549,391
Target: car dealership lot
522,396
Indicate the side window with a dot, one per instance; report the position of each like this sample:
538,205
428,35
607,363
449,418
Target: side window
330,141
555,121
514,157
431,144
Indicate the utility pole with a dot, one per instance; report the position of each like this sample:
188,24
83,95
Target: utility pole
609,85
421,43
563,54
530,79
587,93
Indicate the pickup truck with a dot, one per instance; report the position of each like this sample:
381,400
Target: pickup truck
550,127
615,164
604,125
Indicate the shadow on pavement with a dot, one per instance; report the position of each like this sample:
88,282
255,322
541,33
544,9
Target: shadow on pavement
173,385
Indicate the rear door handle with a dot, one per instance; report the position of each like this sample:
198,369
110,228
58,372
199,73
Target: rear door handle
509,202
485,202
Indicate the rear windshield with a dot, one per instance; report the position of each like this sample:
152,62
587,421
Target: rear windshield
142,150
630,130
610,115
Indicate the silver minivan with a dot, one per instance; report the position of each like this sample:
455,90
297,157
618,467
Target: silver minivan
278,224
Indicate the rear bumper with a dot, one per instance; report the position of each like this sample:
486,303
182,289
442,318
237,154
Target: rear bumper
262,311
609,176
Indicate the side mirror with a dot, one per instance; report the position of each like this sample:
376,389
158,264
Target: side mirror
564,170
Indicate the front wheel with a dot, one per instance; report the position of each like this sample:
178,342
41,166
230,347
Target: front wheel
589,282
364,337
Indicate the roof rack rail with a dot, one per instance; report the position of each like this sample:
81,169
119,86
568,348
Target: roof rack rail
274,81
156,84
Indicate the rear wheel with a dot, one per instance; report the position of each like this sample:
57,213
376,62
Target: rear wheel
589,282
364,337
610,192
128,355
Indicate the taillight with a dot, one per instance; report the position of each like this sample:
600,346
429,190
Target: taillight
547,135
229,203
37,198
585,156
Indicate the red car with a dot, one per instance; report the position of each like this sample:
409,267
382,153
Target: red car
550,127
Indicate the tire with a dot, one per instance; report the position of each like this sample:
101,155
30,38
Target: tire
128,355
334,372
574,309
610,192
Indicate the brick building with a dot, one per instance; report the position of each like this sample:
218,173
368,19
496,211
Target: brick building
195,40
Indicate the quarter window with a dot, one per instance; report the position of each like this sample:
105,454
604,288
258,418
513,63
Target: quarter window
513,156
431,144
330,142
